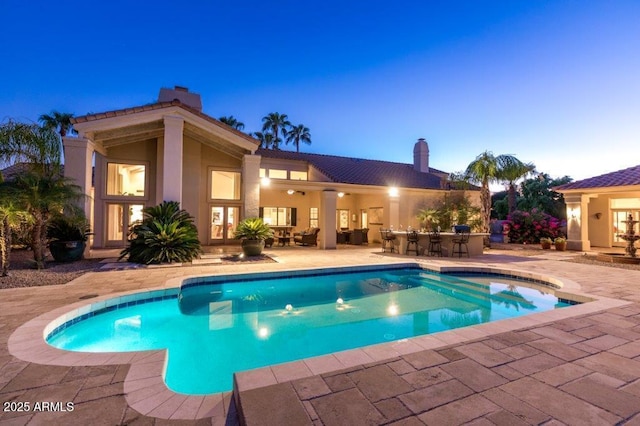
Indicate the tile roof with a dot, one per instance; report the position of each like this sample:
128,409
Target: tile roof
625,177
14,170
360,171
157,106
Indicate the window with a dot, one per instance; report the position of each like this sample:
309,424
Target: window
225,185
278,216
126,180
277,174
313,217
298,175
263,173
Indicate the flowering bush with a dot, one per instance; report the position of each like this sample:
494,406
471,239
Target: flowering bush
529,227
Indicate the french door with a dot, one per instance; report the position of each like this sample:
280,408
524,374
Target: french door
120,217
223,220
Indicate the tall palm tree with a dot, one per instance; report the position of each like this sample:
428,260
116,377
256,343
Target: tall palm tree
484,170
275,124
298,134
232,122
59,121
510,170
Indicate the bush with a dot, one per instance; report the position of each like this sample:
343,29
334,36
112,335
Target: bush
530,227
166,235
68,228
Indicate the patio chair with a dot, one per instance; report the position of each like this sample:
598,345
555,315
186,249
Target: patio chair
365,235
461,239
412,241
435,243
307,238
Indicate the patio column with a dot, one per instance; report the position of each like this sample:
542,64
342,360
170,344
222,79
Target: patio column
327,220
78,156
394,211
251,185
578,222
172,159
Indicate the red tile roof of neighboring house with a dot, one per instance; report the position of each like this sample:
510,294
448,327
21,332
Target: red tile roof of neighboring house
625,177
14,170
362,172
156,106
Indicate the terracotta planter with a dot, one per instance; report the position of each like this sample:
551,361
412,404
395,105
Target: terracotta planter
561,246
252,247
546,245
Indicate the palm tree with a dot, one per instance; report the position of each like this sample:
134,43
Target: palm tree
41,196
275,123
484,170
298,134
58,121
232,122
266,140
510,170
38,146
9,216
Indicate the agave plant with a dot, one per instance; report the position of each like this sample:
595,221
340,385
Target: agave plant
167,234
253,228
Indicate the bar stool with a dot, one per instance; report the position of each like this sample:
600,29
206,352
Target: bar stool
435,243
461,239
387,240
412,240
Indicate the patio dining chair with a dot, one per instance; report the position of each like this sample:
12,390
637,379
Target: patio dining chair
387,240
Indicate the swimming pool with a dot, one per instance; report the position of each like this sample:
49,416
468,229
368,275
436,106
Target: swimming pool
215,326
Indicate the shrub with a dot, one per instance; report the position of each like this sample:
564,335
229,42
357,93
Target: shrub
167,234
530,227
68,228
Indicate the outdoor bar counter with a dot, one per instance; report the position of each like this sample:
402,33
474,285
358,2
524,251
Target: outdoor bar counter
475,243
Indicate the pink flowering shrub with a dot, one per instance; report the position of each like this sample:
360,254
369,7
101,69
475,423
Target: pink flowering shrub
529,227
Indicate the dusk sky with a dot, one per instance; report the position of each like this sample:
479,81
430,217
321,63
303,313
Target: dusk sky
556,83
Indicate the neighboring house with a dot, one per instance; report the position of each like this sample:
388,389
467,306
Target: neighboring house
597,207
170,150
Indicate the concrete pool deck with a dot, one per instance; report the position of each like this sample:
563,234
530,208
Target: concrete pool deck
576,369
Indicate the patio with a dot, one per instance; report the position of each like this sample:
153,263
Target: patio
576,370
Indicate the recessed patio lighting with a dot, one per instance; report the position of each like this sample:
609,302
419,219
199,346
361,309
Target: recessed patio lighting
290,191
393,191
340,194
265,181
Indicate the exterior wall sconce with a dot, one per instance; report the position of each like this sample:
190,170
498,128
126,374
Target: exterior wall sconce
291,192
393,191
598,215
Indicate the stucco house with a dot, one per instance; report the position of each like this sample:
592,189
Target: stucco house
171,150
597,206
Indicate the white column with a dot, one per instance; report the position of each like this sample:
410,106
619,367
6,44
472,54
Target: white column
78,155
327,220
578,222
394,212
172,159
251,185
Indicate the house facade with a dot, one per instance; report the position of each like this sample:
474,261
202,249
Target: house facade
129,159
597,207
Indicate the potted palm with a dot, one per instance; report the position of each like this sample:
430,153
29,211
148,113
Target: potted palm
67,237
253,231
560,243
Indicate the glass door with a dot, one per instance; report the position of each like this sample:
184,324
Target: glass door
120,217
224,220
619,225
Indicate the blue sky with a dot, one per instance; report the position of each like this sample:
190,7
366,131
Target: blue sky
556,83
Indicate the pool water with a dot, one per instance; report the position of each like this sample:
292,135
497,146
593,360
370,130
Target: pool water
214,330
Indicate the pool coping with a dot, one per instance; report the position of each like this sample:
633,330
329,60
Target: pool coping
146,392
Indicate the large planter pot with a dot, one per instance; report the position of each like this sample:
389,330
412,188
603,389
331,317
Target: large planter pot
252,247
546,245
67,251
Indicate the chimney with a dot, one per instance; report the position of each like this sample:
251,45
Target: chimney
421,156
183,95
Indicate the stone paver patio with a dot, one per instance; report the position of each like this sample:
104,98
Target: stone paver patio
577,369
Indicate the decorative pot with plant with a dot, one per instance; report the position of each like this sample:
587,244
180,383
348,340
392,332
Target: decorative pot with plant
560,243
253,231
545,243
67,237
